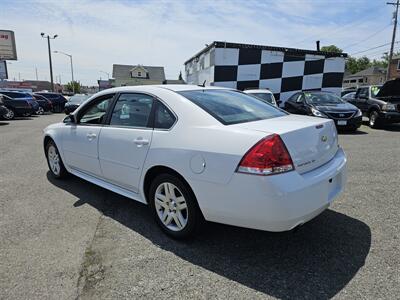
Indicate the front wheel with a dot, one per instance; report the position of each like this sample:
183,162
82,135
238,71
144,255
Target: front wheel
40,111
54,161
174,206
374,121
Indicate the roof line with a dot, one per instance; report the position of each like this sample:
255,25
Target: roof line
219,44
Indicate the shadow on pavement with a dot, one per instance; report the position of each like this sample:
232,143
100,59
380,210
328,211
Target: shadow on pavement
348,132
2,123
316,261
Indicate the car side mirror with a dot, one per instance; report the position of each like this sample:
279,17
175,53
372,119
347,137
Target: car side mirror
70,119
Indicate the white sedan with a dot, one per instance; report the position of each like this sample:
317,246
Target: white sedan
201,153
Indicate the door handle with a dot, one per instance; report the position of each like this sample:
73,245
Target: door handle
140,141
91,136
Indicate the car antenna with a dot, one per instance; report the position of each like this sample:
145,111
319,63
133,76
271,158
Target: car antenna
204,84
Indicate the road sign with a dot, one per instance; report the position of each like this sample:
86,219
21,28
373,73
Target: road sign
3,70
8,51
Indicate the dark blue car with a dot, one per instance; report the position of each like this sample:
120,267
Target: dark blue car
23,96
57,100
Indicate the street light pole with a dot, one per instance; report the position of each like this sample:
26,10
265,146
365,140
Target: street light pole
48,37
72,68
108,74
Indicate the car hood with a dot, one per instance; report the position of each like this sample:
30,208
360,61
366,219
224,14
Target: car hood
335,107
390,90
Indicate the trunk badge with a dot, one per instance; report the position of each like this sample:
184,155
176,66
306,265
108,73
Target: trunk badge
324,138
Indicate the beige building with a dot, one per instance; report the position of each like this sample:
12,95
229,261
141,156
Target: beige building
126,75
369,76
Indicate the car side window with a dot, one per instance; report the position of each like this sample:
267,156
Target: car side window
363,92
293,97
300,98
132,110
96,111
164,118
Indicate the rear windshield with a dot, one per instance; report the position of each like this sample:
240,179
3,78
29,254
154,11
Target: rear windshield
232,107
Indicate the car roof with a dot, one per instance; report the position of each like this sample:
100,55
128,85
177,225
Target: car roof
258,91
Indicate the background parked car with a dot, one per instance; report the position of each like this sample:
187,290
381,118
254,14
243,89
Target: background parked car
381,104
349,96
265,95
23,96
16,107
74,102
347,91
3,108
45,104
325,105
57,100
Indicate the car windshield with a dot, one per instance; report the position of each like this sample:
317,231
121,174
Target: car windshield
232,107
267,97
77,99
322,98
375,90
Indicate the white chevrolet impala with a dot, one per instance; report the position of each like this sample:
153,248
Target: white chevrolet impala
201,153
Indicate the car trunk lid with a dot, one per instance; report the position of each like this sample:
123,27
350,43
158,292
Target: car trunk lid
310,141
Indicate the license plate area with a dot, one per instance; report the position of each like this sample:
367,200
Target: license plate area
342,122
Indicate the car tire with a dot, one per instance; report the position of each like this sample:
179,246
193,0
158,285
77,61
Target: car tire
374,121
174,206
54,161
40,111
10,114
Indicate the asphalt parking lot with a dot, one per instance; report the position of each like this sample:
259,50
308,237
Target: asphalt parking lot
71,239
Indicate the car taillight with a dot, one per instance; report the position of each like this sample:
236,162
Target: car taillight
269,156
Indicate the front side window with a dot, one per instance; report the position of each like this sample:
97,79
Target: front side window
132,110
267,97
232,107
163,119
96,111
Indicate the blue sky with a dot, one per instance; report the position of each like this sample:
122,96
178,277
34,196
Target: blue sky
167,33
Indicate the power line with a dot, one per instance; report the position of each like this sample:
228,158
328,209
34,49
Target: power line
373,48
357,22
367,38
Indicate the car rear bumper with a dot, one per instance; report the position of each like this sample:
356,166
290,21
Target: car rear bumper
273,203
23,110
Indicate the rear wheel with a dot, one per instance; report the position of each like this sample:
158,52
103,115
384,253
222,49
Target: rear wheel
9,114
174,206
374,121
54,161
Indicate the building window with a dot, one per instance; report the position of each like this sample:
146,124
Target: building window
139,74
398,64
360,80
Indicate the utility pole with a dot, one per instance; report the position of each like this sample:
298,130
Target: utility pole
48,37
37,78
397,3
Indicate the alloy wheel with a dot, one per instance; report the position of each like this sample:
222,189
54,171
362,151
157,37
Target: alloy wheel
9,115
40,111
54,160
171,206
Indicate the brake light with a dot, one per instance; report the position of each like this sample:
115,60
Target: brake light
269,156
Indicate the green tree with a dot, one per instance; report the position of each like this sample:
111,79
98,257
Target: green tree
331,48
354,65
180,76
73,86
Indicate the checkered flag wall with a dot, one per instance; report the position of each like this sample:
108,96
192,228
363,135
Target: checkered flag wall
284,73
